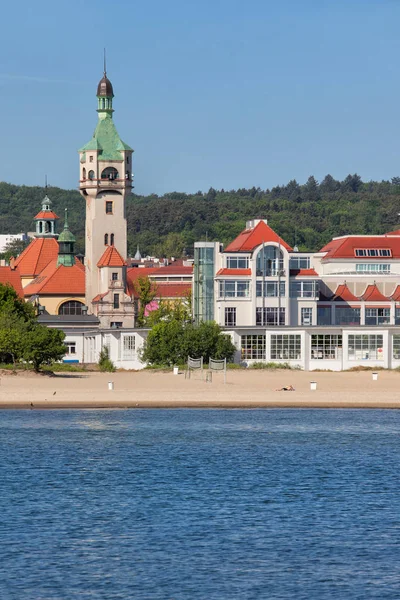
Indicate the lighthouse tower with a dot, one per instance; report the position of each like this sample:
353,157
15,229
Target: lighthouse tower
105,182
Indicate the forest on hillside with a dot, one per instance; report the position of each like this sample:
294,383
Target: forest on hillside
308,215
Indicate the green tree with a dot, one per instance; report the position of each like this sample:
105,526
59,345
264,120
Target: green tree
43,346
14,249
171,342
146,291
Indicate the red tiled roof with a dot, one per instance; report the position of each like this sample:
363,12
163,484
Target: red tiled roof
249,239
49,214
237,272
396,232
396,294
343,294
36,256
111,258
55,281
345,247
303,273
372,294
99,297
173,290
11,277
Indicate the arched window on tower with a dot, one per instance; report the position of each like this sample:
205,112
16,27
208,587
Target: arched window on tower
112,239
83,173
47,227
106,239
109,173
40,227
72,307
91,174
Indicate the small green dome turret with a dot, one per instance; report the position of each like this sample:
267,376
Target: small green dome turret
66,245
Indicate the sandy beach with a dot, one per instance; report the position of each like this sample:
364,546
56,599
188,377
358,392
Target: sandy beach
244,389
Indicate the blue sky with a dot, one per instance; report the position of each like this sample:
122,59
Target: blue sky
221,93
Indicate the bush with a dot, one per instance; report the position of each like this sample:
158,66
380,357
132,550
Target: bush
272,366
106,365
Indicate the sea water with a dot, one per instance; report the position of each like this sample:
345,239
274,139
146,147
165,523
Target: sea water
199,504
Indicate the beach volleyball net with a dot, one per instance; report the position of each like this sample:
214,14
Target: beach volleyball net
194,365
216,366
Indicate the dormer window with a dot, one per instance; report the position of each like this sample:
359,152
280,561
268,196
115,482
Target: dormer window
375,252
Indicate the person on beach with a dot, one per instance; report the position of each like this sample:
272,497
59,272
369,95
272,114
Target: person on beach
286,388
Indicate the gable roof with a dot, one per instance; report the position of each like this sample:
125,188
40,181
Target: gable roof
111,258
57,281
343,294
344,247
372,294
12,277
36,256
249,239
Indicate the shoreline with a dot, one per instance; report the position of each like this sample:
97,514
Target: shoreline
243,390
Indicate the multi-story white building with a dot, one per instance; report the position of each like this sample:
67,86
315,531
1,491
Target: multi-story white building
334,309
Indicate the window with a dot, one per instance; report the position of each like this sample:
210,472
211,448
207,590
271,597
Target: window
345,315
270,289
397,315
116,300
237,262
90,158
128,347
268,316
324,315
116,324
385,252
127,160
270,262
306,316
91,174
83,173
285,347
299,262
71,347
377,316
72,307
234,289
106,239
109,173
396,346
112,239
326,346
230,317
372,268
109,207
304,289
253,347
365,347
114,276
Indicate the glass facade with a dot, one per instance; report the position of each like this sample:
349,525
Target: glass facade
285,347
237,262
230,288
303,289
299,262
270,289
253,347
377,316
203,289
365,347
346,315
269,262
269,316
324,315
326,346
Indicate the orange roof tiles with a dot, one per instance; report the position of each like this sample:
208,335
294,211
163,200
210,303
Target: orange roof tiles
173,290
11,277
237,272
99,297
343,294
56,281
372,294
249,239
303,273
345,247
36,256
396,294
111,258
48,214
